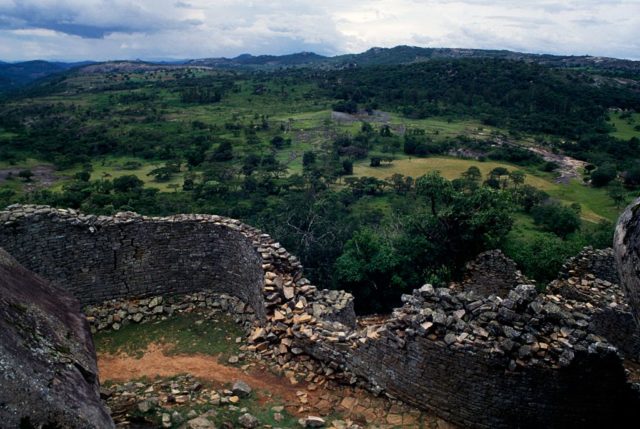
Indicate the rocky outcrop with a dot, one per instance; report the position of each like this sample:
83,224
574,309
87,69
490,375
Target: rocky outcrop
626,244
48,371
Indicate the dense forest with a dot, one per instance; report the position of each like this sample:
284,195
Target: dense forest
380,178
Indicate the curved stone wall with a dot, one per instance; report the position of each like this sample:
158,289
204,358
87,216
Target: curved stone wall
100,258
521,359
528,360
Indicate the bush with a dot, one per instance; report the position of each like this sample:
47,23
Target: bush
308,158
557,218
603,175
347,167
127,183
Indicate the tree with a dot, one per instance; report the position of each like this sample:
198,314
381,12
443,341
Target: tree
224,152
367,268
127,183
542,256
161,174
308,158
83,176
435,188
250,164
517,177
556,218
278,142
375,161
366,128
603,175
347,167
617,193
632,175
495,179
528,197
472,174
26,175
385,131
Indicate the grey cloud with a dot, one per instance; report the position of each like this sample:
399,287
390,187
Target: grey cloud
121,29
93,19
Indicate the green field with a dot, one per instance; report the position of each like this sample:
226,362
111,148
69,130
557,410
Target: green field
186,334
625,127
113,167
596,204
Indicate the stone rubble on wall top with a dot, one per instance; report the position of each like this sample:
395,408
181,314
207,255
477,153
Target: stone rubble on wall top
494,323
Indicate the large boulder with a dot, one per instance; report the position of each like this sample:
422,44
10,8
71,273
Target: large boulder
626,247
48,370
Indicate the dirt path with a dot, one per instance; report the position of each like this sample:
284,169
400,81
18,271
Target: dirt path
300,400
155,363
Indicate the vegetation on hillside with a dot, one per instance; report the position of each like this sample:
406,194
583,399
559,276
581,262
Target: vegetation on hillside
379,178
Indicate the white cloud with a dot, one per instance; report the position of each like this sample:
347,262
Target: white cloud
110,29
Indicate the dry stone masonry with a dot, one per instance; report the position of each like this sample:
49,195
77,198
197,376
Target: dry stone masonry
99,258
492,273
492,352
590,279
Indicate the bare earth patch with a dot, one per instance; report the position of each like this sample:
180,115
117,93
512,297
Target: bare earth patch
43,176
155,363
302,399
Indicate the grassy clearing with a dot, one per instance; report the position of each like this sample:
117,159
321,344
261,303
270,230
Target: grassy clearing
450,168
22,164
596,204
185,334
625,128
113,167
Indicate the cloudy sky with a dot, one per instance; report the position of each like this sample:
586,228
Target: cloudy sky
178,29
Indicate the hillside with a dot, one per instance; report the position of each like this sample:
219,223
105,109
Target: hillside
17,75
523,157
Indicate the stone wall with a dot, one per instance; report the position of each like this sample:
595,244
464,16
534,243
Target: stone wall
505,356
591,278
528,360
598,263
492,273
102,258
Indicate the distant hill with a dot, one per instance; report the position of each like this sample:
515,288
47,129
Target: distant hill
263,61
413,54
16,75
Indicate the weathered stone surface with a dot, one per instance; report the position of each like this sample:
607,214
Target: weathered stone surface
626,244
492,273
241,389
248,421
48,371
501,357
590,279
313,422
